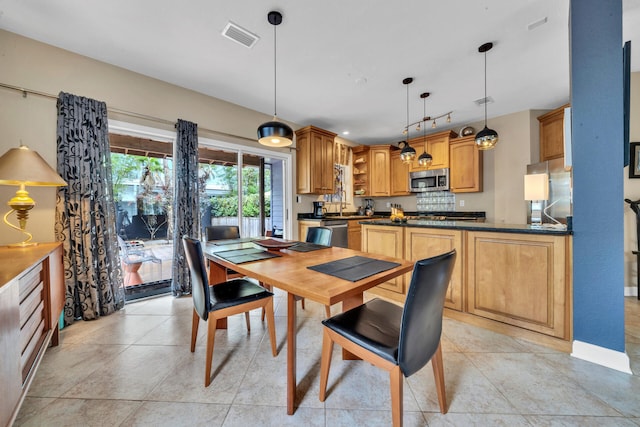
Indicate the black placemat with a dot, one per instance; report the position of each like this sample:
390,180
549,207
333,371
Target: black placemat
307,247
239,256
354,268
232,241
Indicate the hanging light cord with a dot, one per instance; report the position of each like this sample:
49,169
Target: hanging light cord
407,85
275,73
485,88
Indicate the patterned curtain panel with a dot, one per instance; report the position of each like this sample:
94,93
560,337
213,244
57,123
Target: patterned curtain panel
85,211
186,205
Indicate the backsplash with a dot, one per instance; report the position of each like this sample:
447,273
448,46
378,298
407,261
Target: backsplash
436,201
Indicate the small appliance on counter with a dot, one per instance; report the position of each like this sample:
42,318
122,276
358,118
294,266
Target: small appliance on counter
318,209
369,209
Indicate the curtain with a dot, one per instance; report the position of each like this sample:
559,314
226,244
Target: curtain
186,205
85,211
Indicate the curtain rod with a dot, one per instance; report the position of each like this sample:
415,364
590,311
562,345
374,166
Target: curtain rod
25,92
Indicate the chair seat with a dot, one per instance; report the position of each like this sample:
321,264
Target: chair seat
374,325
235,292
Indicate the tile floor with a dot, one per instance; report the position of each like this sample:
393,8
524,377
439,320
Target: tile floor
135,368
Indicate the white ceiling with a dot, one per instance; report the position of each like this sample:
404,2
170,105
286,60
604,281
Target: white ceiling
340,63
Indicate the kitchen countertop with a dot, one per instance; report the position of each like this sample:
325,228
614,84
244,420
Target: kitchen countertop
469,225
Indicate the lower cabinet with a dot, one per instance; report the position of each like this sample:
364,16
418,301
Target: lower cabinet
421,243
354,235
385,240
31,301
520,279
517,279
303,227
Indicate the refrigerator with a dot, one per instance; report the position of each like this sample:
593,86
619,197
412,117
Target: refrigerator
560,203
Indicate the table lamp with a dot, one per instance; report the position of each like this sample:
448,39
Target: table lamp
536,190
24,167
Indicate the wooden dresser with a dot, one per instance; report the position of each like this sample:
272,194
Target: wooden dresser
31,300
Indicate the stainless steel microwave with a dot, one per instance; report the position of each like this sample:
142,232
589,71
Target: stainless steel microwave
429,180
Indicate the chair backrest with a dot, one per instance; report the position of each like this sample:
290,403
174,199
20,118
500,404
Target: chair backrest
319,236
199,281
222,232
421,325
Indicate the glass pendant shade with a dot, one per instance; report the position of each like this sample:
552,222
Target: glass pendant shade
275,134
486,139
425,159
408,153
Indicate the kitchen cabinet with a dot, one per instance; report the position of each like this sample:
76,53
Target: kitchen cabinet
361,170
380,170
399,175
421,243
385,240
314,161
31,299
466,170
437,145
552,134
354,235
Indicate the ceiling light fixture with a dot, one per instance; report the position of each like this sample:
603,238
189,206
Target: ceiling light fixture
408,153
425,158
275,133
487,138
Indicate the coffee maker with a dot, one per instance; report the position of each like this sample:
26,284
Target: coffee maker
318,209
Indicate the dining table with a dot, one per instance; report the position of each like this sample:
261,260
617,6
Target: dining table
302,274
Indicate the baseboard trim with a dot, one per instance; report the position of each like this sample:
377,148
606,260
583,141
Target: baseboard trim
602,356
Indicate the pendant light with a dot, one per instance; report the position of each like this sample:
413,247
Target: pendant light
408,153
487,138
425,158
275,133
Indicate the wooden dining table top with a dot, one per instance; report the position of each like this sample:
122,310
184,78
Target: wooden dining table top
290,271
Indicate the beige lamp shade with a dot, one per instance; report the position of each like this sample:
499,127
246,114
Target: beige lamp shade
536,186
22,166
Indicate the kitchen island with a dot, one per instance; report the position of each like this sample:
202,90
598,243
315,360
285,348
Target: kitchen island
514,279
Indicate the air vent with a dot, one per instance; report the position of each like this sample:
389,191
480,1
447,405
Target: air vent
482,101
240,35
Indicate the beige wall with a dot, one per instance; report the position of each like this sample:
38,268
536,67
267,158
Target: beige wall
32,119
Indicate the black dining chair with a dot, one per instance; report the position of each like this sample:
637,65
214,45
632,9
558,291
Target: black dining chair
400,340
319,236
221,300
224,232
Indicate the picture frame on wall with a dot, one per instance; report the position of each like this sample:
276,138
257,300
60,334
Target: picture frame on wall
634,160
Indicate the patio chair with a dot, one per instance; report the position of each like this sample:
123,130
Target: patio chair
133,255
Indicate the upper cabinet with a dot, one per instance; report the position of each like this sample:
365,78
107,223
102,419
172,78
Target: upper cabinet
465,174
314,161
552,134
380,170
361,170
399,175
436,144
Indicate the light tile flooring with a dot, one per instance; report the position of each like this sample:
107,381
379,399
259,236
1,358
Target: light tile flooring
135,368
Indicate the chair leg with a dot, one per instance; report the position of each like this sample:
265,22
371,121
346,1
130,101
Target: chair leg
438,373
195,321
271,324
396,382
246,318
211,336
327,310
302,303
325,363
269,288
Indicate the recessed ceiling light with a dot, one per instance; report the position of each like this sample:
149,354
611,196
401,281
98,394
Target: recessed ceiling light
345,132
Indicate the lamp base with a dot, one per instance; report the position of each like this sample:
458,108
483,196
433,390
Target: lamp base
22,244
27,242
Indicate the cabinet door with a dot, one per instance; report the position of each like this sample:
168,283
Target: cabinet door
399,175
303,164
439,149
354,238
465,175
519,279
552,134
385,240
421,243
303,227
321,163
379,172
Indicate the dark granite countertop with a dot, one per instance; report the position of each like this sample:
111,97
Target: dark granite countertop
469,225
